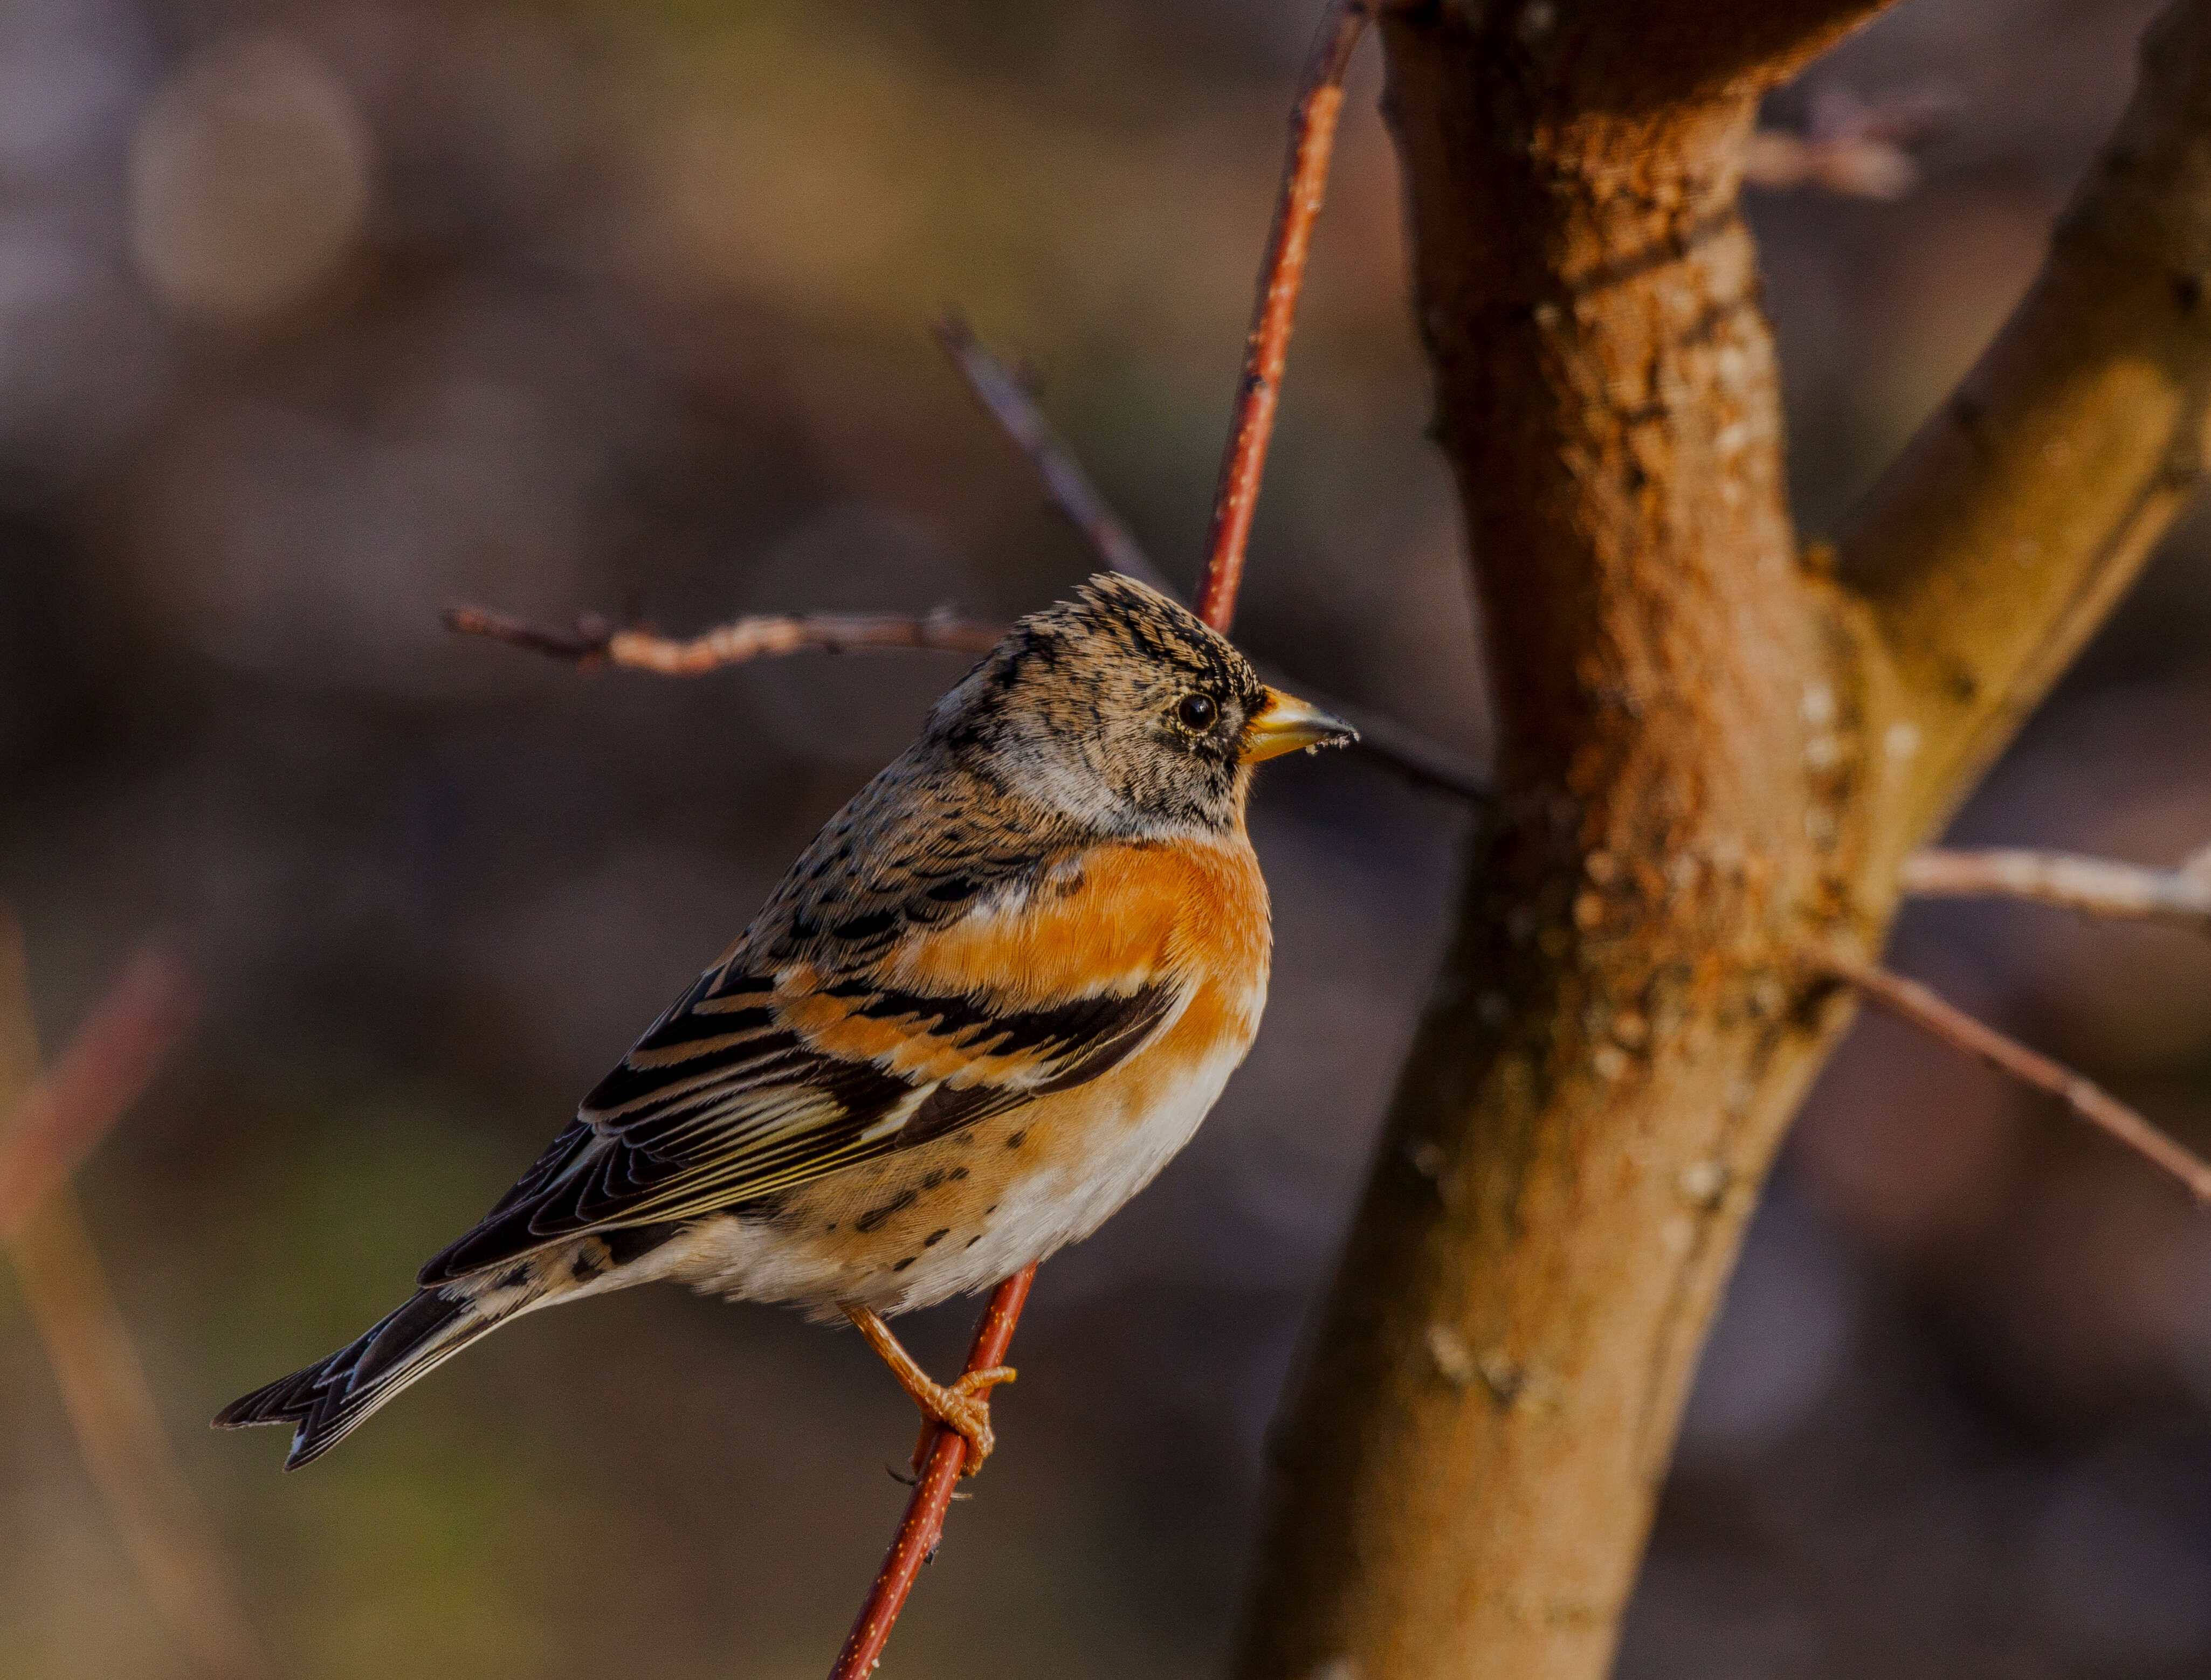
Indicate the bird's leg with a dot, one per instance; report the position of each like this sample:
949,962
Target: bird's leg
963,1407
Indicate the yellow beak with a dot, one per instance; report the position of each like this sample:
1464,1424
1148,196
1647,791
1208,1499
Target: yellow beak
1284,723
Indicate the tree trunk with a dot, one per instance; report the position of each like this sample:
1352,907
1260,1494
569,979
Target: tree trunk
1713,755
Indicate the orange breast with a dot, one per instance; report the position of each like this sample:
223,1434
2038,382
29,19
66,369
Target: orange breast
1120,916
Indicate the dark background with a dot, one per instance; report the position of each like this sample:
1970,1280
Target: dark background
316,317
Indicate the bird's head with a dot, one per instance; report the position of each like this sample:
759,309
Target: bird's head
1124,710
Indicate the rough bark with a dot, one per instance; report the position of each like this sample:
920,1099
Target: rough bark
2009,527
1712,759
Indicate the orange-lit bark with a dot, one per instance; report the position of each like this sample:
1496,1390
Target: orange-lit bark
1715,755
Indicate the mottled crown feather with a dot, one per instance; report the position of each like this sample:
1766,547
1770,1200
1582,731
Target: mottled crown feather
1115,616
1082,706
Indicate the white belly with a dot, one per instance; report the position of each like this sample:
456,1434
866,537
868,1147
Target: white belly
1063,1203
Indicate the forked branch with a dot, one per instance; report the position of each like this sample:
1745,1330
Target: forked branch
1926,1009
1071,493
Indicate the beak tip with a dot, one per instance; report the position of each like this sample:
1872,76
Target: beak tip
1289,724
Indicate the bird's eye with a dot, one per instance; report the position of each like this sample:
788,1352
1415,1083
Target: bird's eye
1197,712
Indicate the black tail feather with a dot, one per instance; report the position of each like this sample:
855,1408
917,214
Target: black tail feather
328,1400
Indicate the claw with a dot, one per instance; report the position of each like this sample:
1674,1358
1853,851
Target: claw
964,1408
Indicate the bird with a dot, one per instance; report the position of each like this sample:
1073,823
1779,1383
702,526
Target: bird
988,1002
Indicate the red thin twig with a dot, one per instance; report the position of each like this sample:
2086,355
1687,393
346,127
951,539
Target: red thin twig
922,1524
1933,1014
1282,277
596,642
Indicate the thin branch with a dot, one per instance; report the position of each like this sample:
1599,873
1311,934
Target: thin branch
1077,499
2092,885
1849,167
1282,277
1852,148
923,1525
1931,1013
1066,485
596,642
1422,761
111,1408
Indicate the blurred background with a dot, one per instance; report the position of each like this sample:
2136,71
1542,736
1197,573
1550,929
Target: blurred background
316,317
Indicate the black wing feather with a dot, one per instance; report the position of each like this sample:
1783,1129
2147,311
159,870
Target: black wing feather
718,1106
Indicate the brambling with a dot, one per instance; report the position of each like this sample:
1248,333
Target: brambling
988,1003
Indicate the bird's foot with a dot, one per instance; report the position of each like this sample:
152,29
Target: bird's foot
964,1408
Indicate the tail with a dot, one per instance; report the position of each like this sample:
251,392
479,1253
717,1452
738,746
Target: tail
328,1400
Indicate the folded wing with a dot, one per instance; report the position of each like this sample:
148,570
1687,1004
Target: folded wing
751,1085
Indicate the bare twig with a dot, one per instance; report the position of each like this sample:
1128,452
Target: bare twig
1427,763
1852,148
1078,500
103,1386
1282,277
1931,1013
2092,885
923,1525
1849,166
595,641
1067,486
